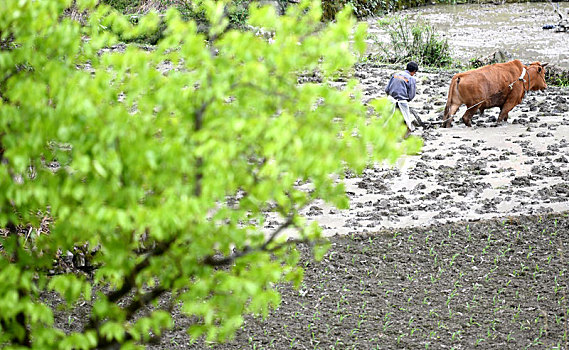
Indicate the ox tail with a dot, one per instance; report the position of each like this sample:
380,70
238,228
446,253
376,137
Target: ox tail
453,89
452,94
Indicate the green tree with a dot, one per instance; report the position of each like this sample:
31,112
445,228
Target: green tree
167,174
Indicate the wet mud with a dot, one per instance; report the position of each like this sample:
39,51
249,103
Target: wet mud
463,173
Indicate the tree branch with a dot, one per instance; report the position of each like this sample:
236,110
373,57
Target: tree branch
217,261
143,301
274,235
19,68
129,282
131,310
261,89
198,125
26,340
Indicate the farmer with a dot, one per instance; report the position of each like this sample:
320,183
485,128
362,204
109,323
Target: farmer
401,89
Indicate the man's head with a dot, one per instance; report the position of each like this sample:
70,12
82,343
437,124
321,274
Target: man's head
412,67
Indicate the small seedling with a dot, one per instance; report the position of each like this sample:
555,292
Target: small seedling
456,335
478,341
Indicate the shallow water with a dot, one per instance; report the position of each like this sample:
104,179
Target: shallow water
478,30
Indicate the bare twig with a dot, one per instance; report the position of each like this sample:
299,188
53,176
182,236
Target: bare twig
28,235
129,282
556,10
143,301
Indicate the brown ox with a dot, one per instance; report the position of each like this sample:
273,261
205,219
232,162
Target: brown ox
498,85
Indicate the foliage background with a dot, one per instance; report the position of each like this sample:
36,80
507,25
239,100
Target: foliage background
163,176
361,8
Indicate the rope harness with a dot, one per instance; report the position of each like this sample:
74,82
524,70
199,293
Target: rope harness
511,86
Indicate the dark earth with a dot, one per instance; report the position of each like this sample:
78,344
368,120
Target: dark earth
493,284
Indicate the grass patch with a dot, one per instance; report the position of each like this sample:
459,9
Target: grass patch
412,41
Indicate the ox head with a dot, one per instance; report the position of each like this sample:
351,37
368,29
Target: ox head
536,73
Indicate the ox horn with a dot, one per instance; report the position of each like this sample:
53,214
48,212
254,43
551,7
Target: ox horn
544,64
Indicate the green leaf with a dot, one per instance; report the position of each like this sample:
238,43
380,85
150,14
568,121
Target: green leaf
112,331
150,163
359,38
320,250
86,4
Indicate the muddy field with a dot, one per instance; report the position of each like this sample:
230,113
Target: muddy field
468,252
497,284
464,245
487,171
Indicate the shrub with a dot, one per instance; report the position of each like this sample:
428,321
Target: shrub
555,75
368,8
413,41
237,11
166,175
123,6
360,8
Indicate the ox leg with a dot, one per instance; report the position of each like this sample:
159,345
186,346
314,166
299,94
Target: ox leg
449,115
467,116
506,108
